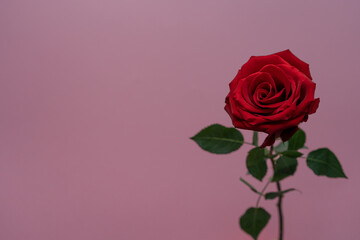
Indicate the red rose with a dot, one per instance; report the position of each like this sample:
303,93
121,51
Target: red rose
272,94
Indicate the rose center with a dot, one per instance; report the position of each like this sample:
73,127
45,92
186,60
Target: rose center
263,91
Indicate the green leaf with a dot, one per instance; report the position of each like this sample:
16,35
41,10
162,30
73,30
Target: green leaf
284,167
281,147
272,195
254,220
219,139
256,163
292,153
323,162
297,141
250,186
255,141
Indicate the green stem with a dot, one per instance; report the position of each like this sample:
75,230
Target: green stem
279,204
262,192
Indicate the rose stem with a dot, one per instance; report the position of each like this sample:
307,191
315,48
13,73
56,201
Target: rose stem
279,204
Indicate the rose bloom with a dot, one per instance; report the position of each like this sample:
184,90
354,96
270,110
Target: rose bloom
272,94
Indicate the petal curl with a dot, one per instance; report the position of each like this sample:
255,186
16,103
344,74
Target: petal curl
289,57
314,106
255,63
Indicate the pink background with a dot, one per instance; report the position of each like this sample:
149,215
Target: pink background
98,100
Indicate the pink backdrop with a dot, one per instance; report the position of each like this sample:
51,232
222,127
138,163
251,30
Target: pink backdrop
98,100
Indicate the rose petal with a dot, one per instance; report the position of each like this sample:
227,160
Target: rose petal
260,78
269,140
273,101
303,93
314,106
289,57
238,111
306,99
306,117
288,133
280,78
284,112
255,63
239,123
241,96
279,126
263,91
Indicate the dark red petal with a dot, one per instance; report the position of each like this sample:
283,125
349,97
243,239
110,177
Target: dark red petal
280,78
288,133
269,140
314,106
241,97
306,117
303,94
260,78
255,63
273,101
273,127
295,61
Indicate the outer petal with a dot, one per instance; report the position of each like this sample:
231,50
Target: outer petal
288,133
269,140
255,63
314,106
289,57
279,126
304,91
240,123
